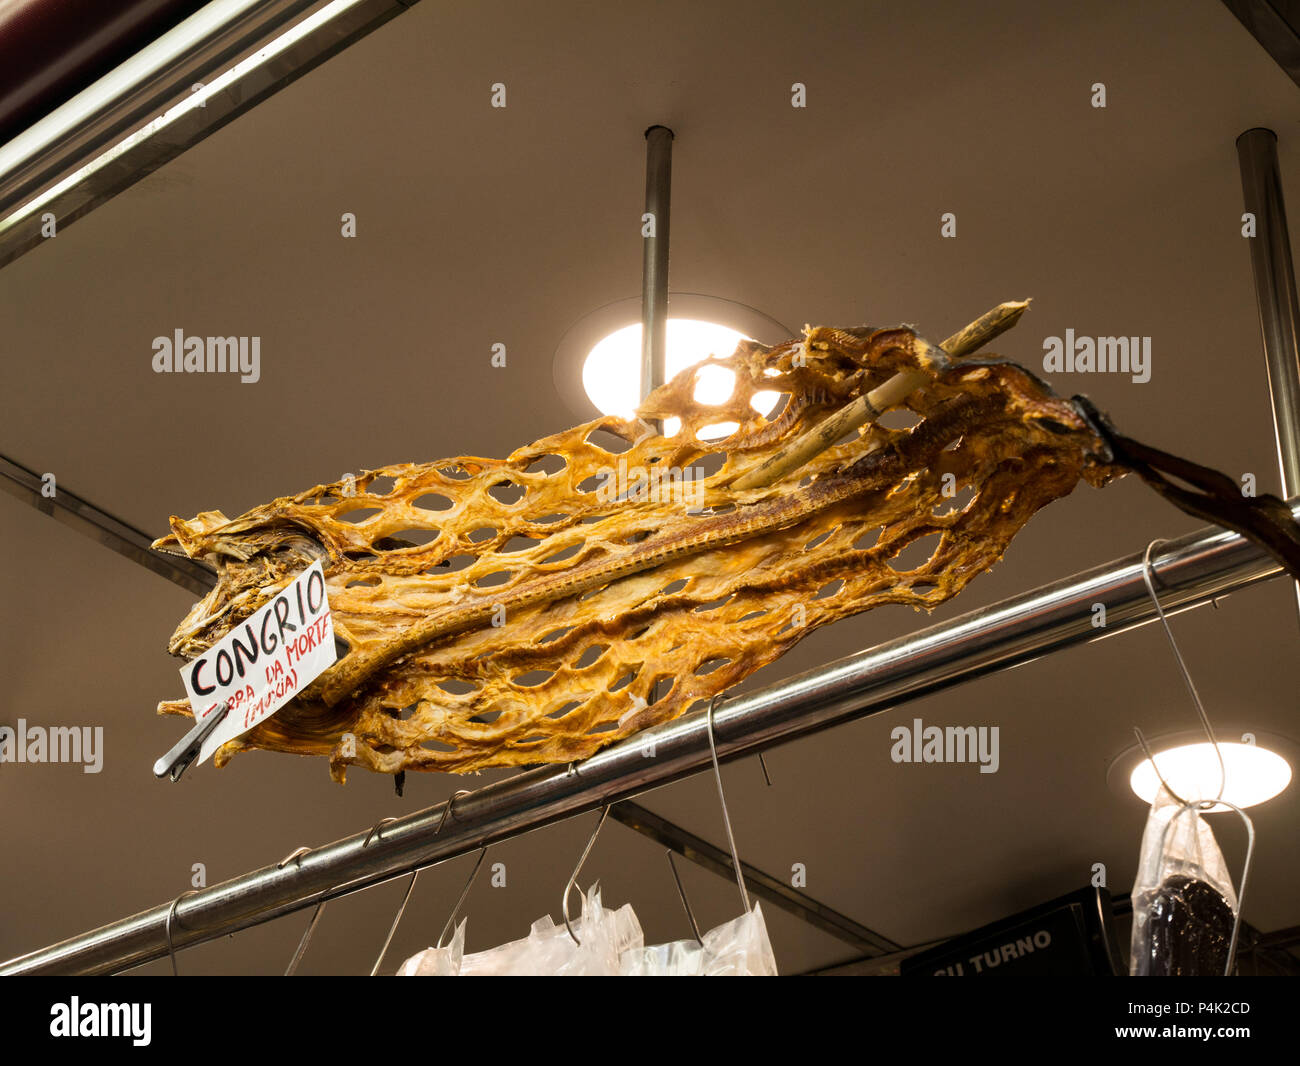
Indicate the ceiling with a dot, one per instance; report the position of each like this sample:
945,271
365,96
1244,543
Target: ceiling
477,225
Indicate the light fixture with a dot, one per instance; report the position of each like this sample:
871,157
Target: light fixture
598,362
611,373
1253,774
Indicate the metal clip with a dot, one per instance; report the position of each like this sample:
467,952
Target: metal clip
186,750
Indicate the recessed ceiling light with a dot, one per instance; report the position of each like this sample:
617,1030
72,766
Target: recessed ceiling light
611,373
598,362
1253,774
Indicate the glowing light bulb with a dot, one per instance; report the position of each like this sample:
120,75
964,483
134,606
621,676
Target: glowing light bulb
1253,774
611,373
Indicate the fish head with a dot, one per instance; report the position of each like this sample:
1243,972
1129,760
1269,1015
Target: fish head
255,557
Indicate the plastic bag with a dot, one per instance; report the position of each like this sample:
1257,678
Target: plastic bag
1183,900
437,962
740,948
547,950
612,945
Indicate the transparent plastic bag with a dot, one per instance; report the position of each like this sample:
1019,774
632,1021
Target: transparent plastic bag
612,944
740,948
437,962
548,950
1183,900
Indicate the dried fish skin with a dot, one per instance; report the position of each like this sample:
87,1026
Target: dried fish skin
513,612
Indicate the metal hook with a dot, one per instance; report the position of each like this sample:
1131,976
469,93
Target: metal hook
690,914
1198,805
393,928
306,939
726,818
447,809
296,854
415,874
320,906
1187,680
167,927
464,892
376,829
578,869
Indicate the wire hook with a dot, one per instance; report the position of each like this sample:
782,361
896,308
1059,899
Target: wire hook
294,855
401,910
447,809
464,892
1187,680
726,818
690,914
1197,805
578,869
376,830
320,905
167,927
410,887
306,939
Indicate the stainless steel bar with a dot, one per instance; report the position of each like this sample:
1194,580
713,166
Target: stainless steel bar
654,262
73,511
764,886
654,268
226,58
1190,571
1275,293
1274,25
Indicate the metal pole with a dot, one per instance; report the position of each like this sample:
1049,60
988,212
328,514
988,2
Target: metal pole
227,57
1279,314
125,539
654,263
1189,572
654,268
761,884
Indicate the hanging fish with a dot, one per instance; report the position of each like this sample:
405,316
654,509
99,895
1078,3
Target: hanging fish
613,576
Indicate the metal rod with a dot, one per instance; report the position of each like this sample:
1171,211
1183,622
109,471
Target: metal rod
1275,293
764,886
686,903
654,268
227,57
1191,571
100,526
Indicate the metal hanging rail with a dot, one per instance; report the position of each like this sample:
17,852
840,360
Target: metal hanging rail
654,258
103,528
1279,311
226,58
1189,572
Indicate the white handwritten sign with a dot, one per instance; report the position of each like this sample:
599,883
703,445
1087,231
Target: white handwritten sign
265,661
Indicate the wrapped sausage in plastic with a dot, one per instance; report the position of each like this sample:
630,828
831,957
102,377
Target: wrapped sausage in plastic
1184,905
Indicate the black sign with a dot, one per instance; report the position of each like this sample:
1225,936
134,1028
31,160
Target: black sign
1072,935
